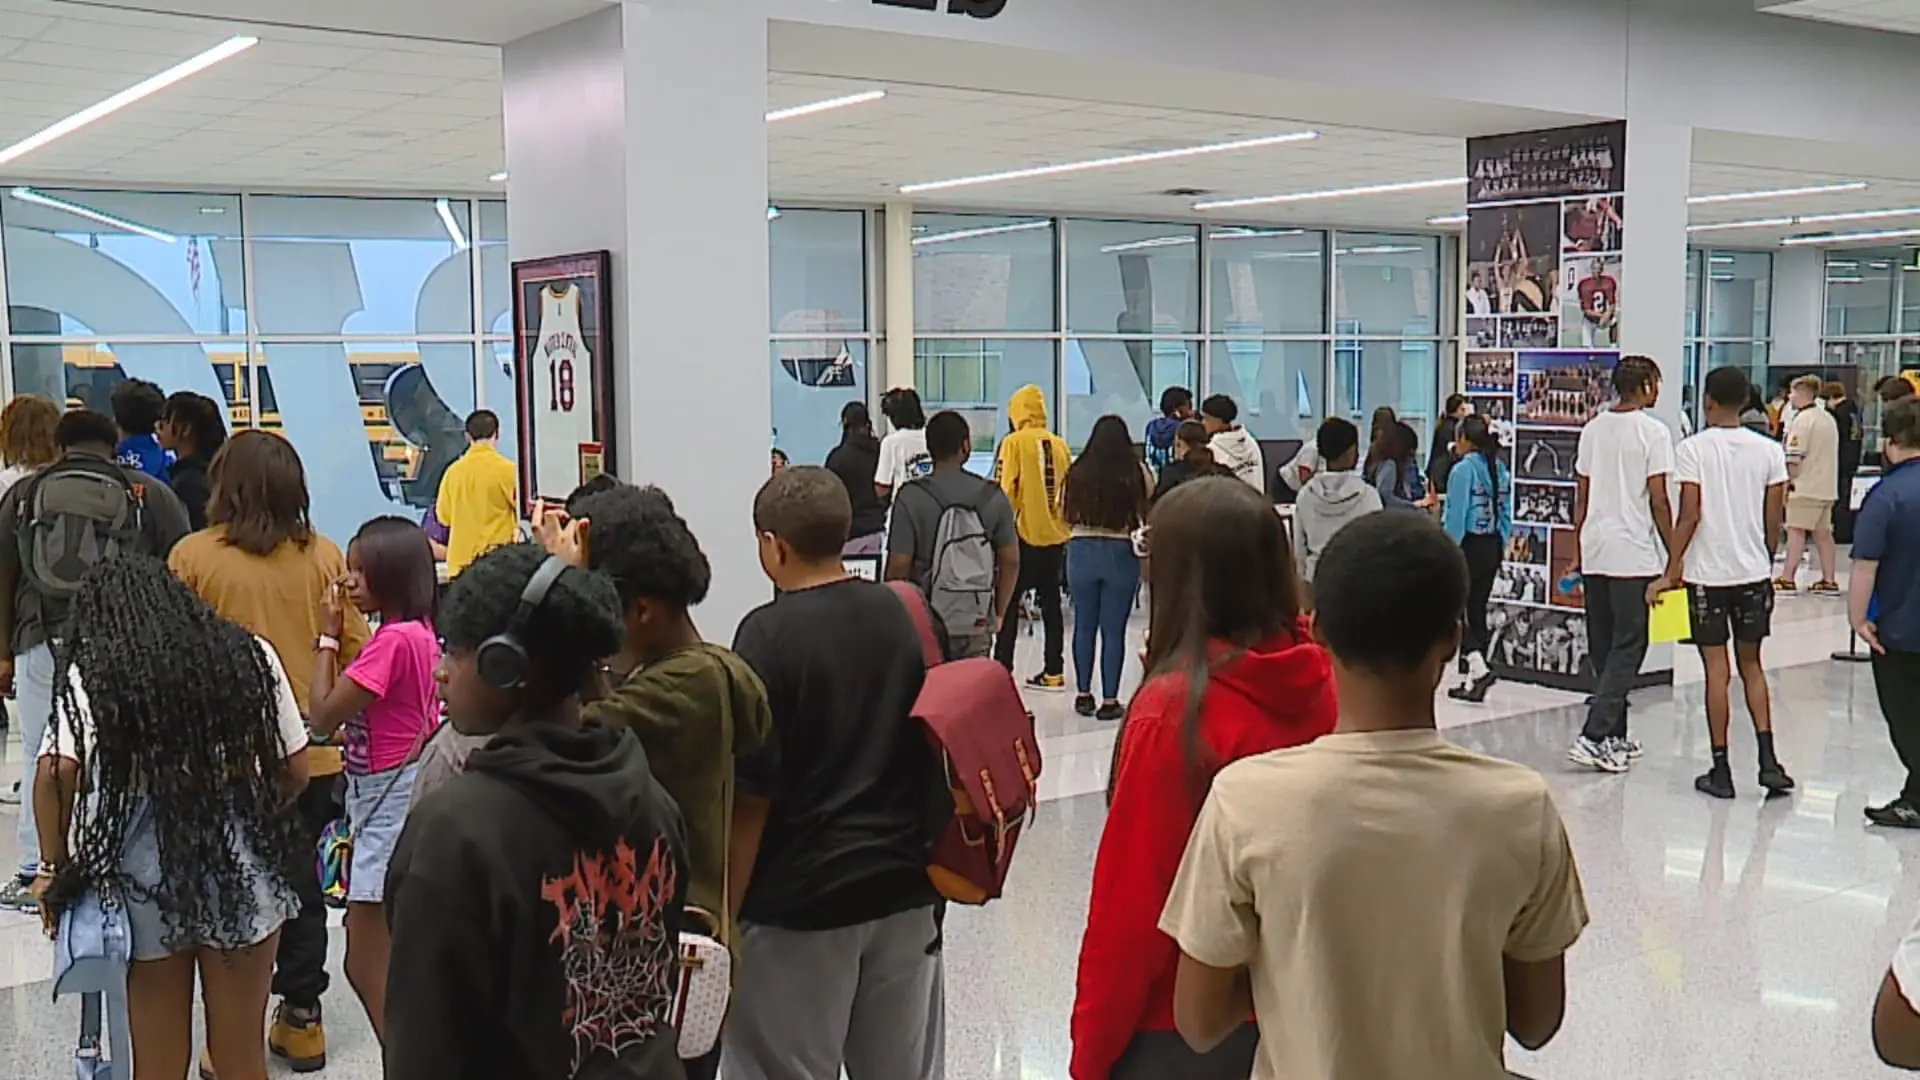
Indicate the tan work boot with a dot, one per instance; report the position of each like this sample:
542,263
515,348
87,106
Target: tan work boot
298,1037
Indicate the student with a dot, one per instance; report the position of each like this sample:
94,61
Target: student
1884,598
479,496
1031,465
1176,408
26,438
778,459
1107,499
535,899
1378,848
1440,461
1233,672
1896,1023
1897,387
1813,462
1234,449
914,542
1846,419
1754,418
1733,497
388,703
1623,522
261,564
193,431
36,588
1393,467
855,461
1192,458
1333,497
840,957
1479,517
903,453
137,408
183,730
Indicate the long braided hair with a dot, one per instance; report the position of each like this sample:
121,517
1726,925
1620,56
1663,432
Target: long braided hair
185,714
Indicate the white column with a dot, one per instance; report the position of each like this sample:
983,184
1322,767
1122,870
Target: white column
899,298
1799,307
1653,271
642,130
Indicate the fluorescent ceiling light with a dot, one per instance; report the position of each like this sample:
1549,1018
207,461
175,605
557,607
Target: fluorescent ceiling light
1254,234
499,177
1378,249
1448,219
1110,162
445,210
828,105
1750,223
1857,215
1145,245
1332,193
1776,193
111,105
28,195
991,230
1848,238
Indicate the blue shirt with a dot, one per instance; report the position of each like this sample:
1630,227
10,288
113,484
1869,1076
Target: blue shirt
1474,506
143,452
1888,532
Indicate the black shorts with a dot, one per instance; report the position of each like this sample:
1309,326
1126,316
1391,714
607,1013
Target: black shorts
1722,613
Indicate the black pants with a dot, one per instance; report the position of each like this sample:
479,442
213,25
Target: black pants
1040,570
1164,1055
1617,642
1896,678
703,1068
1484,552
300,967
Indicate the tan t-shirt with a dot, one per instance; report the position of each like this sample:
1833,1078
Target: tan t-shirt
1813,440
1372,883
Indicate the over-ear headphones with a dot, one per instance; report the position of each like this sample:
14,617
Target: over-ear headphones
502,659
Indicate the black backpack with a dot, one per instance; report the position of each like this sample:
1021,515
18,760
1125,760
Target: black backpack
76,514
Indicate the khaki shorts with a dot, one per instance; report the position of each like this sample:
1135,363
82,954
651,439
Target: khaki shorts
1808,514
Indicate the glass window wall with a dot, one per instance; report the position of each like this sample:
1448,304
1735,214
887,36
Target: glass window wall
1873,325
820,289
1729,320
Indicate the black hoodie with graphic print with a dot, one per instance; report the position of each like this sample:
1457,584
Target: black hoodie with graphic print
535,905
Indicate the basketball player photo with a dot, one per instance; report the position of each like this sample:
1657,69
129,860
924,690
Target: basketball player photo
562,363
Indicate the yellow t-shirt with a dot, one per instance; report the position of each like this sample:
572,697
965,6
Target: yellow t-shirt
479,503
1371,883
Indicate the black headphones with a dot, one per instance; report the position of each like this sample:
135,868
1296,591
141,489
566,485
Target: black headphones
502,659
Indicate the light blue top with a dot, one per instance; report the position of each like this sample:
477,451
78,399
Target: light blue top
1472,505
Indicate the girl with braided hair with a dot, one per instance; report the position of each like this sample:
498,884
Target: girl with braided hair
191,747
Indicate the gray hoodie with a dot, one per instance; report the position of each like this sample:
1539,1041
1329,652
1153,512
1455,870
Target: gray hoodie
1239,453
1328,502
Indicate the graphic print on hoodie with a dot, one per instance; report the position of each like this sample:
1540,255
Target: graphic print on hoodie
1031,466
1238,452
1326,504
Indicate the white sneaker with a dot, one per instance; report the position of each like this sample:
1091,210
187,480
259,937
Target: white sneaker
1600,756
1628,748
1476,668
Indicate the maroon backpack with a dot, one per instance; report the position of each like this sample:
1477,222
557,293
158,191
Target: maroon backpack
984,735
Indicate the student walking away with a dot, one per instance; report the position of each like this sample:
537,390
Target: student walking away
1031,465
1441,459
903,453
1847,422
1813,463
1332,498
1379,847
1176,408
1479,517
855,461
55,526
182,732
535,900
953,536
137,408
26,438
1107,498
1234,448
1192,458
1232,672
1624,522
1733,494
479,497
1884,598
260,563
840,951
387,702
1754,417
1393,467
192,431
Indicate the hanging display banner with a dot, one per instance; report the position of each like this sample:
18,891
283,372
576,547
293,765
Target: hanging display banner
1545,221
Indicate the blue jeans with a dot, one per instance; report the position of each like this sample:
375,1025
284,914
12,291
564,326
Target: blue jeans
33,701
1104,575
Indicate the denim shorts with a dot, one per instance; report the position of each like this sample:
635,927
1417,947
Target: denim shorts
377,806
262,908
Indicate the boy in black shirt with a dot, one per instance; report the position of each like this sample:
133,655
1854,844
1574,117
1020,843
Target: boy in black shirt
839,950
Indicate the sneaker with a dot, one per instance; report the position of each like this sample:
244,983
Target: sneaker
1629,747
1083,704
1600,756
298,1037
1715,782
1775,780
1898,814
1052,683
1475,692
1825,588
17,895
1784,585
1111,710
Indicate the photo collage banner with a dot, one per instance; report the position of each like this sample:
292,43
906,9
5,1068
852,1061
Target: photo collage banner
1545,218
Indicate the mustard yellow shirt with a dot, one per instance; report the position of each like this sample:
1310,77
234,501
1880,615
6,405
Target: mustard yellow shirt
479,503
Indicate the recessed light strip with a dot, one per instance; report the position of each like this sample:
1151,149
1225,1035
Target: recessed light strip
970,234
230,47
28,195
1110,162
498,178
1776,193
1332,193
445,210
828,105
1849,238
1448,219
1750,223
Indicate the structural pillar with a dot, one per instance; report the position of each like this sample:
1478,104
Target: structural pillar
899,298
641,130
1653,270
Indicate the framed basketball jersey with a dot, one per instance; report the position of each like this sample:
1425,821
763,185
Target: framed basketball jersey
562,359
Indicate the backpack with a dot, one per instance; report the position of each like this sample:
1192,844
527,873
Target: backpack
78,513
989,758
959,583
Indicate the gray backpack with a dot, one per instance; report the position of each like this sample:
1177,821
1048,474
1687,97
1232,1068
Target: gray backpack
959,583
77,514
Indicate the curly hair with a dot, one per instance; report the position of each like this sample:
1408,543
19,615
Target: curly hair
638,540
185,710
26,431
577,626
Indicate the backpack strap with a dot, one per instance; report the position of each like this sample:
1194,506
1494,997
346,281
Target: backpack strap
916,606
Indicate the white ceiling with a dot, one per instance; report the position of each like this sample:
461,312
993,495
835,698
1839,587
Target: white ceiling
1902,16
486,22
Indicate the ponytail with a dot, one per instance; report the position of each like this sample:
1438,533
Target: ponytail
1476,430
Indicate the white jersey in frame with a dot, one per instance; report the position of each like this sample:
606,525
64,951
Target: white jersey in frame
563,394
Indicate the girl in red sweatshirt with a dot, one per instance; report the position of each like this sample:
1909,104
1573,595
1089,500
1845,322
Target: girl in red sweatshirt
1232,672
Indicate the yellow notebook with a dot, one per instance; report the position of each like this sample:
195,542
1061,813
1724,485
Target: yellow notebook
1671,619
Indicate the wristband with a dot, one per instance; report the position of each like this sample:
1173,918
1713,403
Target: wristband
327,643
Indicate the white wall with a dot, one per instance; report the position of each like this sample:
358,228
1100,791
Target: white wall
1799,305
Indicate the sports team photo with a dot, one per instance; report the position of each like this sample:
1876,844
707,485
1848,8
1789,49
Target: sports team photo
1542,454
1528,545
1564,389
1543,504
1537,639
1490,371
1521,584
1529,332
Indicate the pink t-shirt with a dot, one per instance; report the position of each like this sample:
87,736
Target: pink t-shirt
396,667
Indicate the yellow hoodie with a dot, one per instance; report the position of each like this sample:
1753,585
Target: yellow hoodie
1031,465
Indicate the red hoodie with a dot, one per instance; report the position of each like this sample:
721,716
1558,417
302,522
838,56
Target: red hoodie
1279,694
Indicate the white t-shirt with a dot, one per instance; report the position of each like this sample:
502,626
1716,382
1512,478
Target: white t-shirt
1619,453
903,457
1734,468
59,743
